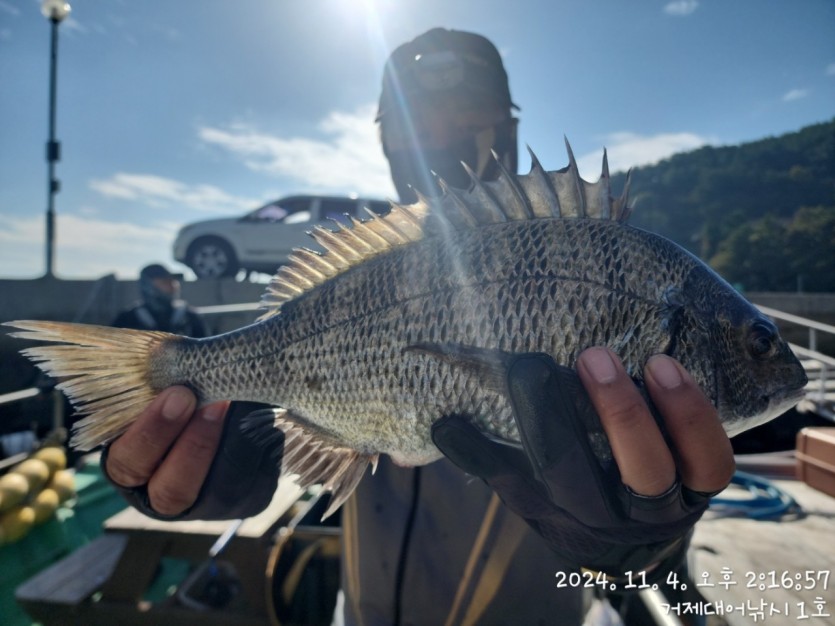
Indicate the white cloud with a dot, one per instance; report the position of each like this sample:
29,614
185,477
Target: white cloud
9,8
349,160
795,94
160,192
90,247
681,7
830,69
72,26
627,150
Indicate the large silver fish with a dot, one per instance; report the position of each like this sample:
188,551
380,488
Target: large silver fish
366,345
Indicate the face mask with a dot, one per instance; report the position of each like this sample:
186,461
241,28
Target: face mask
411,169
155,298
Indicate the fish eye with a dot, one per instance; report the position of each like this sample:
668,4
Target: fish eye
762,340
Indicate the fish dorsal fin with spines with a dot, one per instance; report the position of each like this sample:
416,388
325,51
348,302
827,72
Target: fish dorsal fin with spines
538,194
344,248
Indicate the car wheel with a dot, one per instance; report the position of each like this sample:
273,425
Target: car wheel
212,257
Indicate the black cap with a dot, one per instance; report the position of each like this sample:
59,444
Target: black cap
155,270
442,60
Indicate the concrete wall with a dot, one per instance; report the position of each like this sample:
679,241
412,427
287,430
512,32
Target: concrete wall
99,301
90,302
816,306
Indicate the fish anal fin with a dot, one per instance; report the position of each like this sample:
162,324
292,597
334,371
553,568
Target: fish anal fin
311,454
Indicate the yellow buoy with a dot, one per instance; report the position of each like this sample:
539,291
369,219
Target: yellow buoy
35,471
64,484
15,524
13,490
44,505
54,456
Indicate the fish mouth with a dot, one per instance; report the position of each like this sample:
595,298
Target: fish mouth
776,403
783,399
795,394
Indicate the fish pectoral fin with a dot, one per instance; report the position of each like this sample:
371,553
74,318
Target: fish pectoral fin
517,445
313,455
490,365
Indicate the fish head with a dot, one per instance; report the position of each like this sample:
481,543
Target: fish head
737,355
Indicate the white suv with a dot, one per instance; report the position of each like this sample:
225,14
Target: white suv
262,240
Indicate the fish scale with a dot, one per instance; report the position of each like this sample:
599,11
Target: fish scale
408,317
349,328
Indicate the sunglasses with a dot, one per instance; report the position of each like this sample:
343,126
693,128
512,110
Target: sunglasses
440,74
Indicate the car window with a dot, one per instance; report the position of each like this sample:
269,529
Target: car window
296,205
298,217
270,213
380,207
300,209
283,210
336,209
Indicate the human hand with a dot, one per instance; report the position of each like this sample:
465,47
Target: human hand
625,514
699,455
179,462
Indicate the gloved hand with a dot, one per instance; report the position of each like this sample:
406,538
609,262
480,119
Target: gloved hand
232,476
587,507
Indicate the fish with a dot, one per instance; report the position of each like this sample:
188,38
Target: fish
406,317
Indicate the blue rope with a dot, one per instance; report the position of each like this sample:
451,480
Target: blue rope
766,501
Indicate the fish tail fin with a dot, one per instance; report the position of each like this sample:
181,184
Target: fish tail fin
109,374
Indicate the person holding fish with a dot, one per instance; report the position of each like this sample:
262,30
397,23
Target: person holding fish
455,375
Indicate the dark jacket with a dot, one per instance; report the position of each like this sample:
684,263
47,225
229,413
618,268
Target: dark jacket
180,320
432,545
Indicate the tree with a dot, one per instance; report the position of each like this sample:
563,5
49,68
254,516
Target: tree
810,247
754,256
742,207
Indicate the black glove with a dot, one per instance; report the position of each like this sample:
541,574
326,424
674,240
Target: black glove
571,496
241,481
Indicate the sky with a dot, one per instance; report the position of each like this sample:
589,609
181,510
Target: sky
175,112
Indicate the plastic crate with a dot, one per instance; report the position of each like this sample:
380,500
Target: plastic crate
816,458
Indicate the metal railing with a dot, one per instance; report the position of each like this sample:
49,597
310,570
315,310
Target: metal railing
223,309
15,396
820,391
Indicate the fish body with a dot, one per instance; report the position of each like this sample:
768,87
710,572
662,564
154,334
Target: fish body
405,318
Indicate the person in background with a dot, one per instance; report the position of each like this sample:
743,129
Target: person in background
434,544
161,307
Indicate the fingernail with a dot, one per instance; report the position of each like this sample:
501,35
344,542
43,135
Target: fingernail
214,412
176,405
664,371
599,364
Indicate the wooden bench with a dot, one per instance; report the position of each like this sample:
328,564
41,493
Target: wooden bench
103,582
56,592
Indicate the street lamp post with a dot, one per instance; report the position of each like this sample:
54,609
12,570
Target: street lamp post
55,11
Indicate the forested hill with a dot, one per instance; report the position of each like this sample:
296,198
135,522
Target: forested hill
761,213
